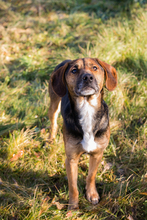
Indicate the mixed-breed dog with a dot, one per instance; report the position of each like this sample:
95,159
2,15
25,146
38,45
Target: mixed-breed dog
76,87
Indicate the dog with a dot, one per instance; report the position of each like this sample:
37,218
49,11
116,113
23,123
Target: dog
78,86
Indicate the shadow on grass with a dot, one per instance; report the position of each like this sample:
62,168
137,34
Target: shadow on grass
8,128
22,182
24,190
31,179
137,66
19,70
102,9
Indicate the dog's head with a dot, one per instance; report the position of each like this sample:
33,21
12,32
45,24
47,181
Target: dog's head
83,77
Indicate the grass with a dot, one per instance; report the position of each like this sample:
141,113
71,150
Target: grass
35,36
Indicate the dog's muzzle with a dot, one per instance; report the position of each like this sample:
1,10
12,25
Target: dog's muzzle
86,85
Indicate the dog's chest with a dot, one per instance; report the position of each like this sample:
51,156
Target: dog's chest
87,120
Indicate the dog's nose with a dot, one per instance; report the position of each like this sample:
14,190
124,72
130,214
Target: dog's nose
87,77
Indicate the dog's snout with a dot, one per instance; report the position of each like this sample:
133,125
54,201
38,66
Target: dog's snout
87,77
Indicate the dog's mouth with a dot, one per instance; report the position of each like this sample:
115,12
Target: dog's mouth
86,91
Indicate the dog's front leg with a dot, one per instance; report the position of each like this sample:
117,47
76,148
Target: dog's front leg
91,192
72,174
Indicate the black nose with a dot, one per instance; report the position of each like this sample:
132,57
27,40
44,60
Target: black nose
87,77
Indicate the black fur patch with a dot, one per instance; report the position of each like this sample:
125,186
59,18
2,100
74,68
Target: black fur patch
71,118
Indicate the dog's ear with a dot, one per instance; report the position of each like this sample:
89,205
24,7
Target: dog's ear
58,78
111,75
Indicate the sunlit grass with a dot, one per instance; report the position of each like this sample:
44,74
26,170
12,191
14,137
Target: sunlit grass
35,36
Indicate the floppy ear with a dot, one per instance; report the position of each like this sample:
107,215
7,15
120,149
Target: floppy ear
58,80
111,75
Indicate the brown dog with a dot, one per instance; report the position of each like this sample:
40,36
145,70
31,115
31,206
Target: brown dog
78,84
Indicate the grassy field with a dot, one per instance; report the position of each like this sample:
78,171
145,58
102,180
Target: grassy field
35,36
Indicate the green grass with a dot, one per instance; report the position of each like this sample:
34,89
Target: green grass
35,36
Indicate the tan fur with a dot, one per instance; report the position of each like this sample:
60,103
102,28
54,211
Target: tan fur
53,112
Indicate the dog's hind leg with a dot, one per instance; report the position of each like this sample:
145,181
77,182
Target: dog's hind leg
54,109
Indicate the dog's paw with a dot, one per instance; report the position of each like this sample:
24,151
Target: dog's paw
73,206
93,196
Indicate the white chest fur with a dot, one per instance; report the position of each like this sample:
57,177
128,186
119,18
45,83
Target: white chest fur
87,112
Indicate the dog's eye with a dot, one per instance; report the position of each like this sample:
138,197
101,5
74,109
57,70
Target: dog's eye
74,70
95,68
